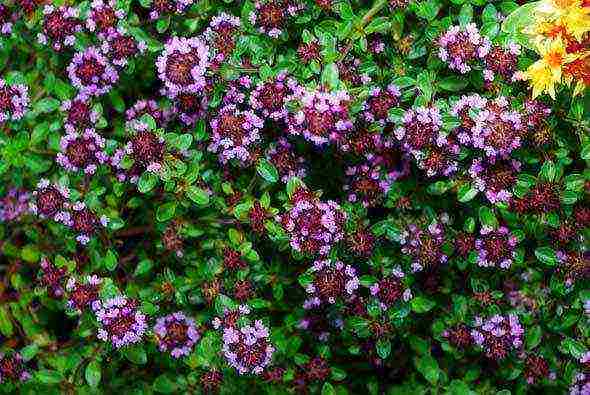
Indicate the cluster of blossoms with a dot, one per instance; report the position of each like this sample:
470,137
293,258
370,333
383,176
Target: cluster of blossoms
269,98
176,334
82,151
5,20
182,65
460,46
51,201
332,281
221,36
422,137
92,73
103,17
501,61
14,205
313,226
424,246
498,335
160,8
83,294
391,289
52,277
270,16
118,46
495,179
496,247
121,322
147,150
368,183
286,161
12,368
235,135
79,115
59,26
322,116
380,101
85,222
246,348
14,101
489,125
149,107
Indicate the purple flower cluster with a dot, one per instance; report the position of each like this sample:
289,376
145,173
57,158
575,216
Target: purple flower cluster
270,16
166,7
248,349
332,281
287,162
424,246
6,20
322,117
182,65
190,107
59,26
495,179
51,201
121,322
14,101
501,61
221,35
460,46
85,222
269,98
103,17
367,183
119,47
14,205
498,335
581,384
489,125
79,114
496,248
235,135
391,289
146,148
83,294
380,101
150,107
421,136
12,368
176,333
313,226
82,151
92,73
52,277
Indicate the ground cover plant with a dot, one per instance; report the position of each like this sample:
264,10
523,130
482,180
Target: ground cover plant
294,196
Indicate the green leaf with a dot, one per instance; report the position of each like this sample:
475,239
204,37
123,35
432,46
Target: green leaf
267,171
6,327
328,389
110,260
46,376
48,104
585,153
164,385
533,337
136,355
93,374
117,101
428,366
466,192
453,83
466,14
487,217
330,76
198,195
166,211
421,304
546,255
147,182
383,348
